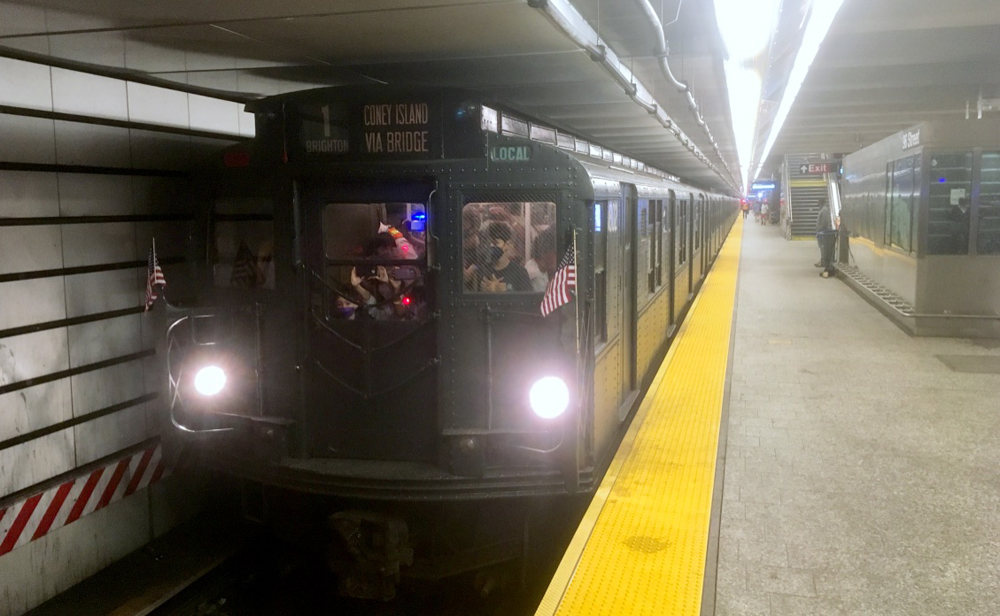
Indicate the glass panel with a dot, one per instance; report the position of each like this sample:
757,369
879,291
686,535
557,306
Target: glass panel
242,247
902,203
375,258
659,243
682,233
495,237
988,225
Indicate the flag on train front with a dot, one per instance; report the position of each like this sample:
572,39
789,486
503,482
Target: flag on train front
564,280
244,268
154,277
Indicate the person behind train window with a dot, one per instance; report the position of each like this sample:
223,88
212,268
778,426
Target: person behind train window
504,274
542,265
472,246
959,216
823,224
383,288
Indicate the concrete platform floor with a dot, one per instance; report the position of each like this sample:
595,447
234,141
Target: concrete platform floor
862,474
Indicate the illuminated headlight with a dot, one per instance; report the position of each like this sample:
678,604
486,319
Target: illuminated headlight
210,380
549,397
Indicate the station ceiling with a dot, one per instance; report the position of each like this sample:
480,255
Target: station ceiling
885,65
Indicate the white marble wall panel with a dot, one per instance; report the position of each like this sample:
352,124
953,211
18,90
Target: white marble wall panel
101,292
88,95
213,114
44,568
34,408
37,460
248,124
205,149
32,355
98,389
28,194
19,19
26,249
102,48
26,302
84,194
105,435
91,144
96,243
25,84
174,500
152,58
159,195
158,106
101,340
27,140
155,150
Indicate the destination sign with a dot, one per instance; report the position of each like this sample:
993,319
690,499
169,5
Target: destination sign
369,130
763,185
510,153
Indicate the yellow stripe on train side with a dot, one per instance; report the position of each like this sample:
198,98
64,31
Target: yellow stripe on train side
642,544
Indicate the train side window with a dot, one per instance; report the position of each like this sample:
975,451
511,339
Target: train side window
508,247
658,245
241,251
601,270
682,232
988,221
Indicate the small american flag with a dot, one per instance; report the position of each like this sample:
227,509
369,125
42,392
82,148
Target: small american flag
557,293
154,277
244,268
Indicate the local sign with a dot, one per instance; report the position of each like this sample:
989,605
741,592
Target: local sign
815,168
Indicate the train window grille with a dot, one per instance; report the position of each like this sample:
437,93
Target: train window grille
241,250
508,247
375,264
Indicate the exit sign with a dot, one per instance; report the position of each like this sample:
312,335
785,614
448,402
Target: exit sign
815,168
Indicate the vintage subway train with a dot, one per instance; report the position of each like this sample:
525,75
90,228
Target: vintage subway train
367,351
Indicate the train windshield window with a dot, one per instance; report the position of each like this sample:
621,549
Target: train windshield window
508,247
374,258
242,248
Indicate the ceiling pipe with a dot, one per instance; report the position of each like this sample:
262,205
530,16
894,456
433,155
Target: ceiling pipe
662,52
564,15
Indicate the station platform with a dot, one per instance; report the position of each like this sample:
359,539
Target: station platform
797,454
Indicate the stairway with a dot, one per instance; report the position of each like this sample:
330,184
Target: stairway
805,189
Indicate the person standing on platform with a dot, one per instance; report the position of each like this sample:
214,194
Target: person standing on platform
746,209
822,224
764,213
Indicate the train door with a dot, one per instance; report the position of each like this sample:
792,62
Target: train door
629,288
369,302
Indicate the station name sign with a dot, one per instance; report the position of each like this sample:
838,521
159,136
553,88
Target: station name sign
911,139
393,130
763,185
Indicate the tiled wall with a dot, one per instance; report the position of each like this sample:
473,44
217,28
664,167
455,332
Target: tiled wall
77,371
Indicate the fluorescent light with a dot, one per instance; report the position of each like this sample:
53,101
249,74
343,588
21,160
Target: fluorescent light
746,27
821,15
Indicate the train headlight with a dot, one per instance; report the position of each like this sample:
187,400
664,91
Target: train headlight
549,397
210,380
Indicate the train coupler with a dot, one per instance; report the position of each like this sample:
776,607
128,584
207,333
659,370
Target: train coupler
369,550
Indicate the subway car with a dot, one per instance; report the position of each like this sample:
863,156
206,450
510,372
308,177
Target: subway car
367,350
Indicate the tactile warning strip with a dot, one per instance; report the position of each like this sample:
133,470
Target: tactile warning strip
642,544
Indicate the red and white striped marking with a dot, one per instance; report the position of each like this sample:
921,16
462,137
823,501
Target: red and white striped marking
44,512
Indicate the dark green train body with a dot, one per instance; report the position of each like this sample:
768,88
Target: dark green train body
372,374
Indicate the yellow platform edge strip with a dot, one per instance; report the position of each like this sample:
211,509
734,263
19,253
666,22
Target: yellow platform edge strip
628,503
